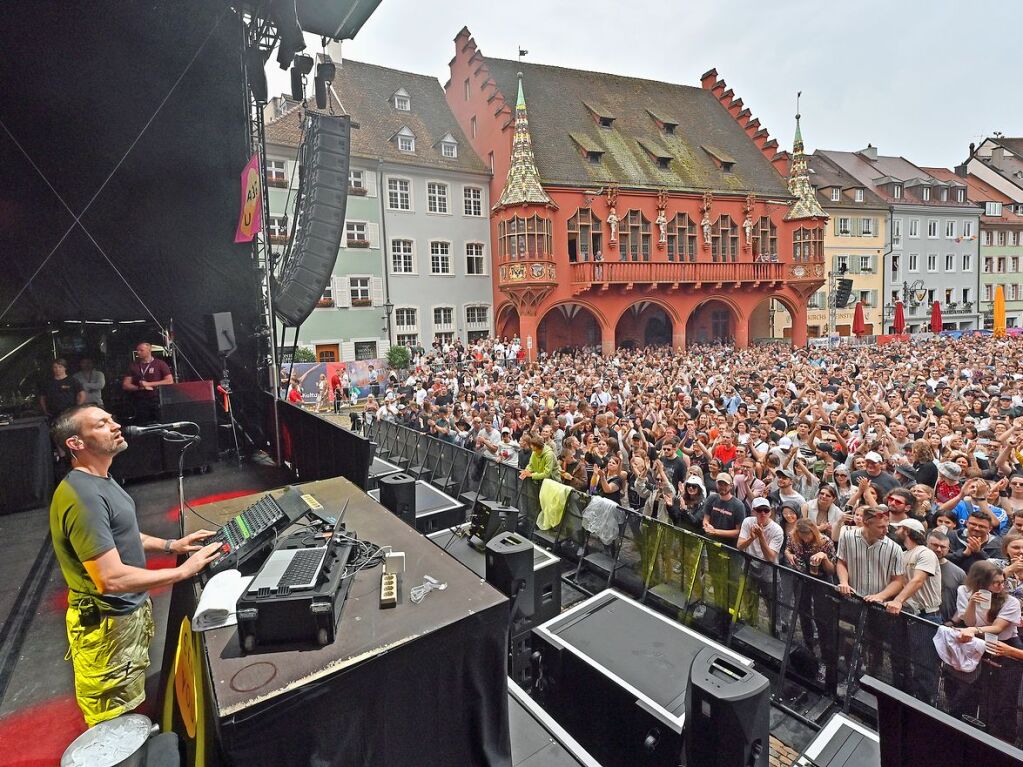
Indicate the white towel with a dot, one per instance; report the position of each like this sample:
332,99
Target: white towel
962,656
602,517
218,601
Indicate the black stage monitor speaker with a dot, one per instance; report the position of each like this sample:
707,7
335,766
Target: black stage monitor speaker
319,219
223,331
509,569
726,697
398,496
842,292
490,518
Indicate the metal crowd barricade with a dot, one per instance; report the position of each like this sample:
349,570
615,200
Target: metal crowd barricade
795,622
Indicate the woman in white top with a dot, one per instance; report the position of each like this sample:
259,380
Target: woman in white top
984,606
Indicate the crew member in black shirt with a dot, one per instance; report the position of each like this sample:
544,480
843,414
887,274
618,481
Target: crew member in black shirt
60,392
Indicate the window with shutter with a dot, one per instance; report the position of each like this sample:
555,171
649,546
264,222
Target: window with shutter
376,291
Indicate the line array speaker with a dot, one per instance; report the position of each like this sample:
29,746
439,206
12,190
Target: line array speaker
843,289
320,218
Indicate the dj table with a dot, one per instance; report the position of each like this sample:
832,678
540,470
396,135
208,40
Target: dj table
418,684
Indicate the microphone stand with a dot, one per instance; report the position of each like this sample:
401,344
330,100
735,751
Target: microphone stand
186,441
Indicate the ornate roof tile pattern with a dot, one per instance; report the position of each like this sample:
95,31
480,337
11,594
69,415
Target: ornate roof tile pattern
557,107
364,91
805,204
522,186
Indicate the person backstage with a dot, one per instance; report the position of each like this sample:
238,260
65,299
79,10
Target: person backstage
102,556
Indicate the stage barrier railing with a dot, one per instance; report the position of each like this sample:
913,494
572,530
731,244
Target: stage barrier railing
792,621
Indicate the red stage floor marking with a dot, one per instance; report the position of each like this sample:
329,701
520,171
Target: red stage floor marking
38,735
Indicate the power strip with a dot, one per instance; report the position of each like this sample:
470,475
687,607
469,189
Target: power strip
388,590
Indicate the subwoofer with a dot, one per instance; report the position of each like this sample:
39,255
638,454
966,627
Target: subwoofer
398,496
726,697
319,218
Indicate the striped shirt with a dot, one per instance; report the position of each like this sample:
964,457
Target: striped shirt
871,567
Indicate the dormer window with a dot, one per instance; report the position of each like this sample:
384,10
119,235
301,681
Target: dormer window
406,140
657,153
992,208
943,195
925,193
897,191
960,195
587,147
401,100
859,195
836,194
601,114
448,146
666,124
724,161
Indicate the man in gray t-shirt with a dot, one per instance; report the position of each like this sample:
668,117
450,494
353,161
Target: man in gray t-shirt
102,555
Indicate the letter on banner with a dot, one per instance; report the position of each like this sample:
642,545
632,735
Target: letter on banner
251,218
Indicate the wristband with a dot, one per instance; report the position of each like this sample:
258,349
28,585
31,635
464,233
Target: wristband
167,546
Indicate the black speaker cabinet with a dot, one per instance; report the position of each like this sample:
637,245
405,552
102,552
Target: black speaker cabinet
398,496
190,401
727,697
319,219
489,519
509,569
616,679
223,333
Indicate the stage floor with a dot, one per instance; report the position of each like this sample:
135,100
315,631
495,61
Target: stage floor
38,714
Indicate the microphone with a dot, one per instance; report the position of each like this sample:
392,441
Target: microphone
135,431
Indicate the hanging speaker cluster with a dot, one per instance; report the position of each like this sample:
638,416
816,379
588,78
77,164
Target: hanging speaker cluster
843,290
319,218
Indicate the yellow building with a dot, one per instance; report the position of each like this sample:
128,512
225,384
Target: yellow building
857,238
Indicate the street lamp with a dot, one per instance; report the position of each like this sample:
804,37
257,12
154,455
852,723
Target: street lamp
388,308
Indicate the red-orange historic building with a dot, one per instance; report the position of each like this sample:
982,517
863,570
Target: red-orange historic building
635,212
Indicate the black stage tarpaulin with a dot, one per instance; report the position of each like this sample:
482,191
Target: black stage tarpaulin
151,96
421,685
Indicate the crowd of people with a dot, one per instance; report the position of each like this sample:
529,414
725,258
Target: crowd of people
891,472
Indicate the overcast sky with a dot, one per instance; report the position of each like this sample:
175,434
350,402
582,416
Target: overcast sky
918,78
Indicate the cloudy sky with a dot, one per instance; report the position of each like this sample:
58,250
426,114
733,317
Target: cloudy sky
918,78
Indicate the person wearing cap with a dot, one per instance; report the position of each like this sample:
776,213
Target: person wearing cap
881,480
948,485
723,513
783,479
508,451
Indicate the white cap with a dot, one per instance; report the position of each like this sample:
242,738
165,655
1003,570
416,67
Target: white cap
785,443
874,457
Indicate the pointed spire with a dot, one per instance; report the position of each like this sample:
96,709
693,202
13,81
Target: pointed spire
522,186
805,204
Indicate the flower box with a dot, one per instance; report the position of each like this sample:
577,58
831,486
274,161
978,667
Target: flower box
358,191
325,303
357,243
361,302
277,183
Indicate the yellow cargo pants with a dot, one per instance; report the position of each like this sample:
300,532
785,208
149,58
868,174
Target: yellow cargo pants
110,661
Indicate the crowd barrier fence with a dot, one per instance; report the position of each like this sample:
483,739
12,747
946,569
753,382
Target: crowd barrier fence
794,623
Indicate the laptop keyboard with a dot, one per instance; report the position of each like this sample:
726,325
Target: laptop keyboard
303,566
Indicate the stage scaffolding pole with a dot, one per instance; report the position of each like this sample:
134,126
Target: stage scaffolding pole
260,34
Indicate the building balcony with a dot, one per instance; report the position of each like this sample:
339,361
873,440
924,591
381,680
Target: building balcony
528,272
676,274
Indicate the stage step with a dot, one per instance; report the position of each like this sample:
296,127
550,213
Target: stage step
600,561
420,472
756,642
668,594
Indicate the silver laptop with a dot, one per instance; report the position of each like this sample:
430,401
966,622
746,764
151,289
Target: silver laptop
296,569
